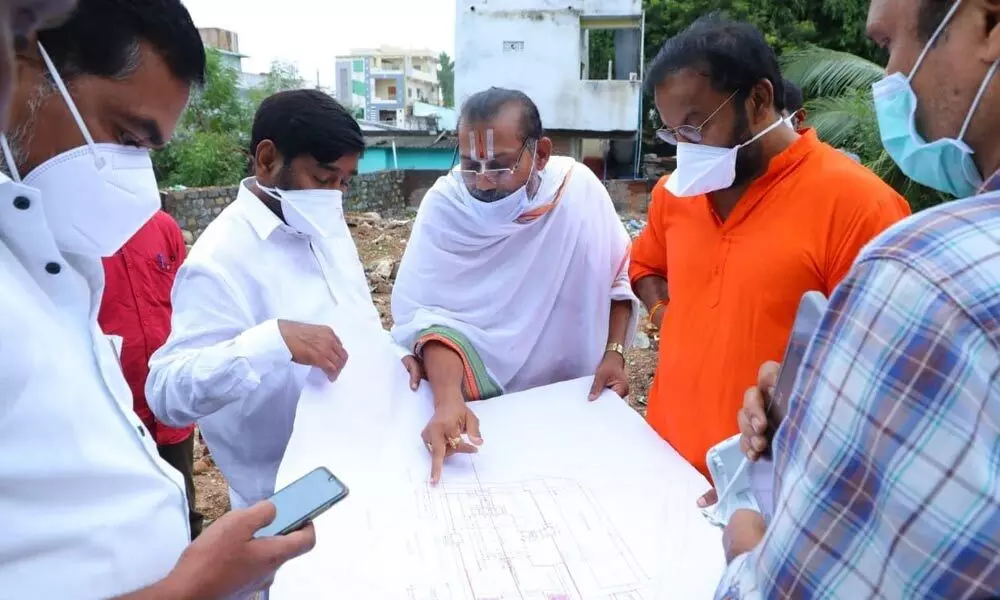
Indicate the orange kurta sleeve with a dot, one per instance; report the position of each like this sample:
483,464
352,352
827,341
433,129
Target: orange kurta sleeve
649,250
852,229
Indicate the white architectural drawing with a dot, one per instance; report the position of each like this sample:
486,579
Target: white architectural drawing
540,513
543,539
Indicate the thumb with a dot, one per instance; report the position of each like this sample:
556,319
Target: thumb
414,369
257,516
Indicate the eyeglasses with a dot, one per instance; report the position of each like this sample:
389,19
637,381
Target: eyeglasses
689,133
495,176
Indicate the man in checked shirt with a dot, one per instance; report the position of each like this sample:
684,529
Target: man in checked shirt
887,467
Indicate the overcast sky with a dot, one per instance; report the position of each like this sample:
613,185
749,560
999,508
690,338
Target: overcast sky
311,33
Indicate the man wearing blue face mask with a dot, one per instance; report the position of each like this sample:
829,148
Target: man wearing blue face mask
88,508
255,301
886,468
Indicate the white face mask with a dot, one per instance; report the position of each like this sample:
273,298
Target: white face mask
316,213
704,169
95,196
727,464
507,209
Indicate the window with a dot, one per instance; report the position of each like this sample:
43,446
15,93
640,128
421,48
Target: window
392,91
359,66
409,93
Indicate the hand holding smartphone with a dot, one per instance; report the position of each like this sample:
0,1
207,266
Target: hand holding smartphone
811,309
761,473
302,501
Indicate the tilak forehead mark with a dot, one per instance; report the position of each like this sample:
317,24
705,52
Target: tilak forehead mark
482,149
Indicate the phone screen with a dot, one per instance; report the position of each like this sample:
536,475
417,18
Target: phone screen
302,501
811,309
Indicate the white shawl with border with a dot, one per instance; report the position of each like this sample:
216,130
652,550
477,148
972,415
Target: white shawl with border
531,295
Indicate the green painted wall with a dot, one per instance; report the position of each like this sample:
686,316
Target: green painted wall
430,159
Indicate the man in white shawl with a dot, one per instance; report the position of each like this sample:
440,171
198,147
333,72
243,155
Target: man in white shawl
516,275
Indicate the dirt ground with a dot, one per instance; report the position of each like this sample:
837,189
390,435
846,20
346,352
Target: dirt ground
381,241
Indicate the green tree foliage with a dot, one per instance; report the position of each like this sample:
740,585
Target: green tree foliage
840,107
446,77
282,77
787,24
210,145
601,51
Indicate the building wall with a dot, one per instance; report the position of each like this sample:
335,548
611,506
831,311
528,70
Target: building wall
421,91
375,160
423,159
537,46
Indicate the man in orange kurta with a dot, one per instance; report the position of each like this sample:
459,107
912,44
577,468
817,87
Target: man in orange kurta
727,256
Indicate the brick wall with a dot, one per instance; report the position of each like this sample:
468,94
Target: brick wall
384,192
631,196
195,208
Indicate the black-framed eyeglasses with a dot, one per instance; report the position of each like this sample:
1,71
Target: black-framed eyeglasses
689,133
497,176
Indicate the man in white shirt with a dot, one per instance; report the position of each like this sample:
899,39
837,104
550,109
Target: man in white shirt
87,508
256,298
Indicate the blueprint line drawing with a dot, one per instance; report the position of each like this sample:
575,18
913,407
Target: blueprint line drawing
540,539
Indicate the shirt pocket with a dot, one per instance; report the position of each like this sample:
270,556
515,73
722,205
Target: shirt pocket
161,270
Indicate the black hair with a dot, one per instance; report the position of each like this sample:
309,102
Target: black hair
486,105
732,54
101,37
794,99
930,15
306,123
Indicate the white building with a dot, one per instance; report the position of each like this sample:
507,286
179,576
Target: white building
388,82
542,47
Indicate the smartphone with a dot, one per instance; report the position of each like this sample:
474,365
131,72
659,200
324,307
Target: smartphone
811,309
761,473
302,501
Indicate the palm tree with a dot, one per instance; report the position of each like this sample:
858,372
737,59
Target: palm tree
843,113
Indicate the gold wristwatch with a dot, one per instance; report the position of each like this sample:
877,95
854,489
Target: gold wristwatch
615,347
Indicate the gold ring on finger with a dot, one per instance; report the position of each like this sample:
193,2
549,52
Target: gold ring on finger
430,448
454,442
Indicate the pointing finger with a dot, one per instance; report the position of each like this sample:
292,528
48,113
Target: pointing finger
438,450
597,387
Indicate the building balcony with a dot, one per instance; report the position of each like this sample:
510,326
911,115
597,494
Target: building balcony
385,72
595,105
422,76
386,102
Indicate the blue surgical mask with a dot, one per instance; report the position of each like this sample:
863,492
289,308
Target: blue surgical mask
945,164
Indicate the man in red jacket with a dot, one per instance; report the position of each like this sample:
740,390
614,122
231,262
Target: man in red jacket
136,307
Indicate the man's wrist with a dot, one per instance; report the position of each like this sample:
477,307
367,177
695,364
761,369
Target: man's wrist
658,308
447,396
615,349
